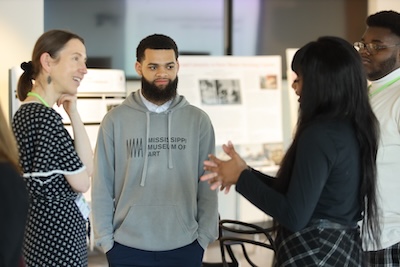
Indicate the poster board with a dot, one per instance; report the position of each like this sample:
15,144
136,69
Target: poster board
243,97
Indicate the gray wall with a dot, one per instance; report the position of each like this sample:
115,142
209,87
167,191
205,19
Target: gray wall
283,24
293,23
100,22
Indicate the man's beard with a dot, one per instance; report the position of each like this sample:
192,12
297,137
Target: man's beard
155,94
384,68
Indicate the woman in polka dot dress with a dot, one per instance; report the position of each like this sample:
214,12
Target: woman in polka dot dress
56,168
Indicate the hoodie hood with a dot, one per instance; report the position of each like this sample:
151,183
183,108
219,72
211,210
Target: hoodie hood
135,102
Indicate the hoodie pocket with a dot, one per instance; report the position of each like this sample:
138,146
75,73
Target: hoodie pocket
147,227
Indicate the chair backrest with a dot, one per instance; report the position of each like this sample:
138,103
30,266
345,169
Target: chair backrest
238,233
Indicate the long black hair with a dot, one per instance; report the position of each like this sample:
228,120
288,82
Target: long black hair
334,86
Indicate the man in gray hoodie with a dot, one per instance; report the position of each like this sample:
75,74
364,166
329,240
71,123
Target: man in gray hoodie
149,206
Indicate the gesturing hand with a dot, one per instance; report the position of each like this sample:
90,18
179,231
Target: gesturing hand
224,173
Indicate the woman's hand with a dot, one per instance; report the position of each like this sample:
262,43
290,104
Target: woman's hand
224,173
81,139
69,103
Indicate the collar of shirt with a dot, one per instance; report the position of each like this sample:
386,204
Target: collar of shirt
378,83
153,107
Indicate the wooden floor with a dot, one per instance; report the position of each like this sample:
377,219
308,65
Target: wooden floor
261,257
97,259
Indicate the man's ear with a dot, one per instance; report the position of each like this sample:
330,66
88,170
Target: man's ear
138,68
46,60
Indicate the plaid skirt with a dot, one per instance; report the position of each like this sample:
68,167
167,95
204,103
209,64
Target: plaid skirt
387,257
321,244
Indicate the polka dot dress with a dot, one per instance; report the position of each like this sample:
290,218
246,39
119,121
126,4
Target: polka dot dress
56,231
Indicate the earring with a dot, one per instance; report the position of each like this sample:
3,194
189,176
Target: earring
48,79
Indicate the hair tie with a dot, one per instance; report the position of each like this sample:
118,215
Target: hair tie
27,66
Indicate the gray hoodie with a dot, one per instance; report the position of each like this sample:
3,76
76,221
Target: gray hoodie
146,192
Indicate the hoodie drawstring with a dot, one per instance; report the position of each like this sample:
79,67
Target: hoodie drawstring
144,173
170,163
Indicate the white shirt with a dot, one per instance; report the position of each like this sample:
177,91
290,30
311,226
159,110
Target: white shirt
386,106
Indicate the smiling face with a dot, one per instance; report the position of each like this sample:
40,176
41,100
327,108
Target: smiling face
159,70
385,60
69,68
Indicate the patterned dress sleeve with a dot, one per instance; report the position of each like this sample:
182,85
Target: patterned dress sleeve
47,148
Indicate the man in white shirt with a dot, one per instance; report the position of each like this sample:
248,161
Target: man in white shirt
380,51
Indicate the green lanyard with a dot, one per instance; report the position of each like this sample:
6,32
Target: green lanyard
383,87
39,97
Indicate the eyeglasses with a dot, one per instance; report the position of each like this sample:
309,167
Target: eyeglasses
371,47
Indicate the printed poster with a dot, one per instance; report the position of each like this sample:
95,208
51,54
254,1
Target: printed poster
243,97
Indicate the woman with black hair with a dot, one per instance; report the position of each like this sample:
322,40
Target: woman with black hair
326,182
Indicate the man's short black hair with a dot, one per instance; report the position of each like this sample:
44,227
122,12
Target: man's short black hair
386,19
155,41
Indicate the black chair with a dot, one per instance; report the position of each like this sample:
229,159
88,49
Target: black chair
220,264
237,233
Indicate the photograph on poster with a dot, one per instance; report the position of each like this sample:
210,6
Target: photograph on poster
269,82
220,91
228,90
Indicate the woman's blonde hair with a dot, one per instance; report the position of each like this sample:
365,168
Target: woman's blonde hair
8,145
